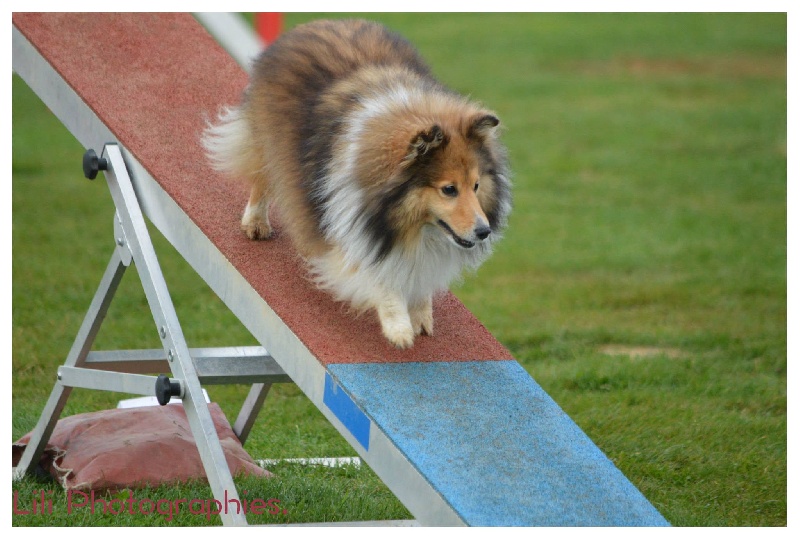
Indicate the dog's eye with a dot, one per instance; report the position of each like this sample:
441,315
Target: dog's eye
450,191
476,186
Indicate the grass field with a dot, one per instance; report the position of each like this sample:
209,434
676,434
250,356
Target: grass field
642,281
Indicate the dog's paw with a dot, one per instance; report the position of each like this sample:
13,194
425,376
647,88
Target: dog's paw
422,322
422,319
425,327
398,331
395,321
402,338
257,230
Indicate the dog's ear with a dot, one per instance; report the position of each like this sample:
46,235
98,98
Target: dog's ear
482,126
424,142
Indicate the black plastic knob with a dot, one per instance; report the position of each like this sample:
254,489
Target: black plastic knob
165,389
92,164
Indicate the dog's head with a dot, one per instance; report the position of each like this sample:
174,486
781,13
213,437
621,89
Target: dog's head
459,169
436,165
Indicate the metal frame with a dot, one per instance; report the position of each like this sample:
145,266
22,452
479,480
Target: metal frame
122,371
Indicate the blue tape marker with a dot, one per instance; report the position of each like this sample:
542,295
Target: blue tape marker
346,411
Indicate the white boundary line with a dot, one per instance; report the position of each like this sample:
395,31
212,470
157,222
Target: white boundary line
321,461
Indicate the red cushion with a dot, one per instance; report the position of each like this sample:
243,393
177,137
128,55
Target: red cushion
133,448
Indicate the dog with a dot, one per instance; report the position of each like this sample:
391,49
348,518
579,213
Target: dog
388,183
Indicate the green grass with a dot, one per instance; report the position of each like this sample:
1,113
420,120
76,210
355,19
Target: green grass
297,494
642,281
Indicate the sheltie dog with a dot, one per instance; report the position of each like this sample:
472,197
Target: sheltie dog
388,183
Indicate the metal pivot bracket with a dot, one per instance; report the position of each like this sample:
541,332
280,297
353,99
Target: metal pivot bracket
125,371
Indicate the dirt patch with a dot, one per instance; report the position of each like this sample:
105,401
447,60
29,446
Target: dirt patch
636,351
732,67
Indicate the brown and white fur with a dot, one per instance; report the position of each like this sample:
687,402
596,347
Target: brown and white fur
388,183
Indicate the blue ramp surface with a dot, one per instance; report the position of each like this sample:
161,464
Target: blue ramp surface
494,444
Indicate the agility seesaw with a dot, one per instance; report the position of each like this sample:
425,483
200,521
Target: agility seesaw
455,427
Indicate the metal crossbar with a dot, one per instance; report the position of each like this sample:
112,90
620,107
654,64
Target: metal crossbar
126,371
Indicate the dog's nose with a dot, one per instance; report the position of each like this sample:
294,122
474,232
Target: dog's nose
482,231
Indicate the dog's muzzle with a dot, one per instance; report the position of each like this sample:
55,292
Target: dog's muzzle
481,232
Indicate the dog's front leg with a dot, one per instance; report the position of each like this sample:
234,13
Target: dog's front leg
422,317
395,320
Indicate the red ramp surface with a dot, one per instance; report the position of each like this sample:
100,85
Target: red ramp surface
142,72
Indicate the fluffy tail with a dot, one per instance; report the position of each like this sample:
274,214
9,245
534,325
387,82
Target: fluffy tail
229,144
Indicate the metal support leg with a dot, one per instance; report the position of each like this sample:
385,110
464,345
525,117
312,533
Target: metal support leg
133,244
252,405
76,358
137,240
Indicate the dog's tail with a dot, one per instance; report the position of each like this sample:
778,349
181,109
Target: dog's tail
229,144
